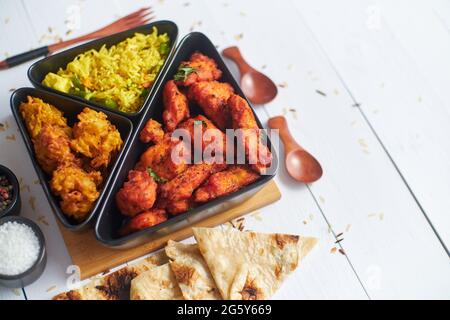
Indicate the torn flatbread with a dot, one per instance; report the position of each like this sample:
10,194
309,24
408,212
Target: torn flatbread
250,265
115,286
191,272
158,283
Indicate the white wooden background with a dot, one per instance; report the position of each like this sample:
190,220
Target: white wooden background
381,130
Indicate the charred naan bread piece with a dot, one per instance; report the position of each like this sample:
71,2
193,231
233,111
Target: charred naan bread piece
250,265
191,272
115,286
156,284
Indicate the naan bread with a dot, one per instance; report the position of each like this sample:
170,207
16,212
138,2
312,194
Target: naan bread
249,265
115,286
156,284
191,272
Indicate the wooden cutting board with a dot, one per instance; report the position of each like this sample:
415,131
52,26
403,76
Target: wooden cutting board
93,258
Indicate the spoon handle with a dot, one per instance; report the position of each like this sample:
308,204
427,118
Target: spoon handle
280,123
234,54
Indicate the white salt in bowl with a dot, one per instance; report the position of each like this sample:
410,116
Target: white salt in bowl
32,273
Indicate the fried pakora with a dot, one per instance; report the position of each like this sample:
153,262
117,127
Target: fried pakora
225,182
138,194
242,117
95,138
198,68
52,148
77,190
36,113
176,107
143,220
152,132
184,184
212,97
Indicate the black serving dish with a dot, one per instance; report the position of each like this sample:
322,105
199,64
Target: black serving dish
110,219
14,207
36,270
41,68
71,108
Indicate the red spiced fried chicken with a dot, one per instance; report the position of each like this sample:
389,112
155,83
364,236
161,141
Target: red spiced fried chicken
212,97
176,107
242,117
138,194
143,220
198,68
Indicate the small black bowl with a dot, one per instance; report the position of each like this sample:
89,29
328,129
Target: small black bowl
36,270
13,208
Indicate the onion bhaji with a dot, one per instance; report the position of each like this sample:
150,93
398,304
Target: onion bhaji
242,117
95,138
212,97
152,132
143,220
36,113
138,194
176,106
225,182
52,148
77,190
198,68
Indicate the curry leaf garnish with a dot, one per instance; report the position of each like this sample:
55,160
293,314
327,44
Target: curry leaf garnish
155,176
183,72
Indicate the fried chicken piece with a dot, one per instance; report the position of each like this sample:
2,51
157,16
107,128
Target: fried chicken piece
96,138
159,158
212,97
242,117
225,182
183,185
143,220
36,113
152,132
77,189
213,140
52,148
176,106
137,194
199,68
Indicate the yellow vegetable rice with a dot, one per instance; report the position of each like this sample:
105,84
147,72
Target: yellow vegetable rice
118,77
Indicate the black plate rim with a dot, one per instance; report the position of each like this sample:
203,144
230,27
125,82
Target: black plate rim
137,114
41,176
119,242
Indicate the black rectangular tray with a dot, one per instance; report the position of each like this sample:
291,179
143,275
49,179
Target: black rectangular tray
71,108
110,219
38,71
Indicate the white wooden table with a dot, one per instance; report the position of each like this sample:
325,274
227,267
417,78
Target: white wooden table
380,129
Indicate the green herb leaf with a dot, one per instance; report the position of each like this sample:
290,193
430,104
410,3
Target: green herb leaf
155,176
200,122
183,72
164,48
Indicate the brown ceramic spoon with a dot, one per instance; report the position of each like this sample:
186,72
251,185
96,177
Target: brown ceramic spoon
300,164
256,86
